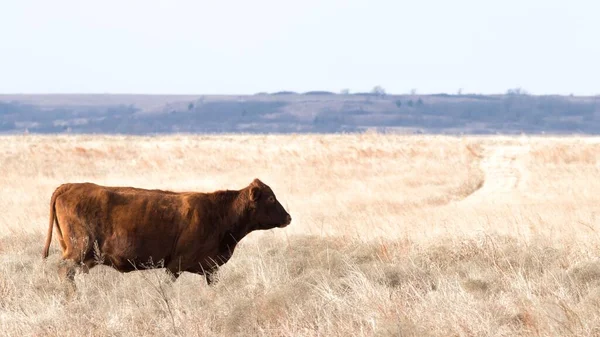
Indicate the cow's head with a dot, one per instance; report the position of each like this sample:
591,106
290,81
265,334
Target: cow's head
266,211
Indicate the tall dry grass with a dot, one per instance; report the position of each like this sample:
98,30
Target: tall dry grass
387,238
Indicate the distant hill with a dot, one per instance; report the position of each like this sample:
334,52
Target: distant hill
287,112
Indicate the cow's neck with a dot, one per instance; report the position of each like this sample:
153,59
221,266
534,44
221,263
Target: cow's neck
236,216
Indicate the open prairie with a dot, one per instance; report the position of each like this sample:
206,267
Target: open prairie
391,236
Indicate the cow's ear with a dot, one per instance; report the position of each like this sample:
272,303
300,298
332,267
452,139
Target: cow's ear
254,193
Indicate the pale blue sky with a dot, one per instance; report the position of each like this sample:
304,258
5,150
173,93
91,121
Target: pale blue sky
243,47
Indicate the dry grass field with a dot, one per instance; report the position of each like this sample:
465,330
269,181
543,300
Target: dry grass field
392,236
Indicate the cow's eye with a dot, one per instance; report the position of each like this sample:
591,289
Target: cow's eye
271,199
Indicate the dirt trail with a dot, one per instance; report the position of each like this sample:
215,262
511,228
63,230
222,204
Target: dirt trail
505,172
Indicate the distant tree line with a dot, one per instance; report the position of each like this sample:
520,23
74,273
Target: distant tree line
514,111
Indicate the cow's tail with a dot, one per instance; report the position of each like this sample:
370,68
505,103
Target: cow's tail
53,218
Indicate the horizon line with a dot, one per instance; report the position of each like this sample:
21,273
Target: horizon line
292,93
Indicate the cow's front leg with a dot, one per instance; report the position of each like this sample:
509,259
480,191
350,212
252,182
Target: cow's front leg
173,269
173,275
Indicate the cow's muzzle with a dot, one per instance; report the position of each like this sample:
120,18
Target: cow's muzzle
287,222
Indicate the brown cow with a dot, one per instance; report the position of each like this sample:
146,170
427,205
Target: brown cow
131,228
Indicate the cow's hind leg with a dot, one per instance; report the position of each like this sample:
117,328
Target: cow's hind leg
66,272
69,264
68,268
88,263
76,252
